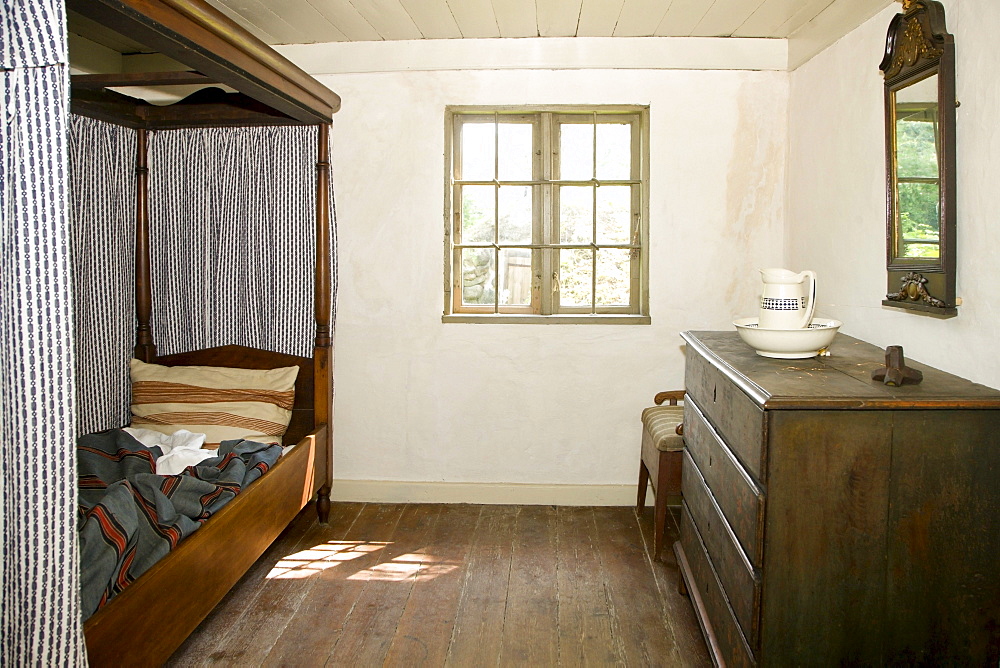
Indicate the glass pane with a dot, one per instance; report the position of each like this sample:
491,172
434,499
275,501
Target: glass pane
576,151
478,146
921,250
614,153
575,272
916,144
515,152
515,276
477,276
514,208
478,214
918,218
614,214
576,214
614,271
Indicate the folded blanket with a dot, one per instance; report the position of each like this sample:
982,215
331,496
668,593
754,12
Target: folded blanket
129,517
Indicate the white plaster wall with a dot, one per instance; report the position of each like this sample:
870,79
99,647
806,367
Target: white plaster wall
836,202
421,401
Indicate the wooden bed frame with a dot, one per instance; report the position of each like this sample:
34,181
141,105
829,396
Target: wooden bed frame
161,608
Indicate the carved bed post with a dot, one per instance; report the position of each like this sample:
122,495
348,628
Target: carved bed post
323,350
145,349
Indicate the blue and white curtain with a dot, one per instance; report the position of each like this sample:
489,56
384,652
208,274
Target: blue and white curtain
39,599
232,237
102,218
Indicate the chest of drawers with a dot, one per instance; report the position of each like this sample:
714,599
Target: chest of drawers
829,519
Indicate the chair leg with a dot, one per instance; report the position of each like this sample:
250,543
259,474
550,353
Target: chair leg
660,504
640,501
659,522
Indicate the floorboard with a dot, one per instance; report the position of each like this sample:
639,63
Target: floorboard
425,628
457,585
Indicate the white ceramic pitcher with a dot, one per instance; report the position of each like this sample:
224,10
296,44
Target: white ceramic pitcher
788,301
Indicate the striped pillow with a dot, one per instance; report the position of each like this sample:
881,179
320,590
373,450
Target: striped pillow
221,402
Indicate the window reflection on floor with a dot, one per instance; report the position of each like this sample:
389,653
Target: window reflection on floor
338,553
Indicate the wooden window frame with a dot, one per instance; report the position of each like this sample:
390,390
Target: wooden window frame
545,244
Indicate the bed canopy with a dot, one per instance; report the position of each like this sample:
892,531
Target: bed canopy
270,90
248,85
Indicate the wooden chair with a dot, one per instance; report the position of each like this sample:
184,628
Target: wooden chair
662,453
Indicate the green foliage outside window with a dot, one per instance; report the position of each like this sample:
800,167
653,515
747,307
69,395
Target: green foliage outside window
918,187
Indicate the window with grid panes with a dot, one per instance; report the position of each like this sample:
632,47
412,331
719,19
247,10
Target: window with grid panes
546,213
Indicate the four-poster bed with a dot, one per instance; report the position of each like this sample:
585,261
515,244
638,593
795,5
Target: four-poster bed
160,609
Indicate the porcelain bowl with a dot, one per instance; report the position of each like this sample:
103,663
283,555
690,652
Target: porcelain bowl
788,343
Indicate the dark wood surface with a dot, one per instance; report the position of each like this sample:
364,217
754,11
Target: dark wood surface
739,497
722,633
840,381
322,300
145,349
102,81
944,516
826,535
879,510
737,575
728,407
198,35
432,585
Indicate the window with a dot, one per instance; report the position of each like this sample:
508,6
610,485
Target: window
546,214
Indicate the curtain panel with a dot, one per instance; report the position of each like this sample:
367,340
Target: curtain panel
232,236
102,218
39,599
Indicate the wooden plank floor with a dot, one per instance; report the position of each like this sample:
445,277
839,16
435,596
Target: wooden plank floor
456,585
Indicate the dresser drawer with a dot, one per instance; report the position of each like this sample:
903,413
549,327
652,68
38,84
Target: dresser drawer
738,578
739,498
738,419
714,613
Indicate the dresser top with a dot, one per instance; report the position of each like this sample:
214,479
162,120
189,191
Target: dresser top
841,380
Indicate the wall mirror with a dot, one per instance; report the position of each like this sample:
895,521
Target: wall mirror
919,72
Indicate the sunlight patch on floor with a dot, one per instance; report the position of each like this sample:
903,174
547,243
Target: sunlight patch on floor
406,567
321,557
340,553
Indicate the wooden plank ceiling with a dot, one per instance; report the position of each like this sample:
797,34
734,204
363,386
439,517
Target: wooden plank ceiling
312,21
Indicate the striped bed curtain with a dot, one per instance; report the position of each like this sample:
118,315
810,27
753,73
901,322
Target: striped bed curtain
102,219
39,599
232,237
232,234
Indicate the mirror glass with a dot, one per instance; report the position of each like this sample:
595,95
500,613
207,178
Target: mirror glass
917,232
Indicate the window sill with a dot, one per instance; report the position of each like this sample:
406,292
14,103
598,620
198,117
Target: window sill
574,319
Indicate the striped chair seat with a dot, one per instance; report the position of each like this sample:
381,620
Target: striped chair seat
660,424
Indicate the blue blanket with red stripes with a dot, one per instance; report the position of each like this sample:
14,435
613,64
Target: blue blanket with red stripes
128,517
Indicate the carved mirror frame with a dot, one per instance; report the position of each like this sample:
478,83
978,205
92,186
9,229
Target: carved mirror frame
918,46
